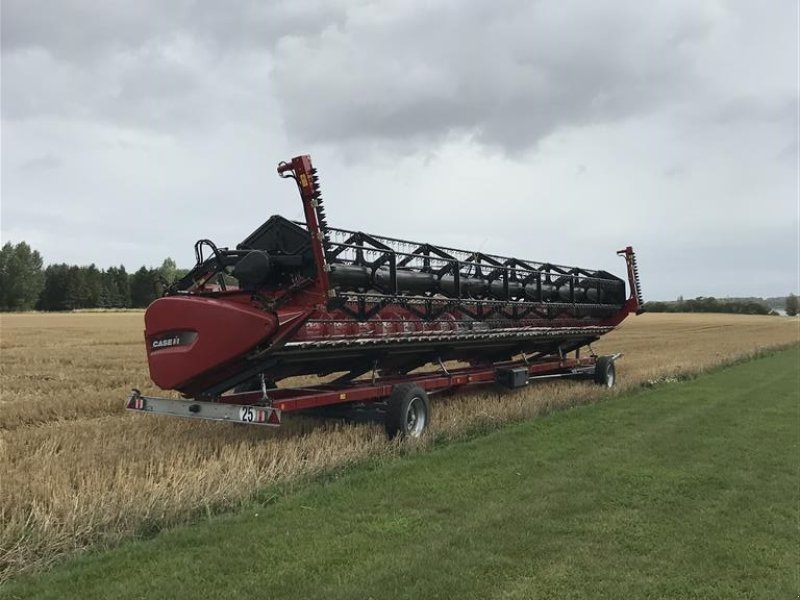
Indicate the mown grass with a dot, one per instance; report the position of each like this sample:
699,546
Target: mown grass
77,472
684,490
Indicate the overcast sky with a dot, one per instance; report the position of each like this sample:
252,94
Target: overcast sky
557,130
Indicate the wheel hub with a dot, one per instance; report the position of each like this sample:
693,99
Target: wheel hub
416,417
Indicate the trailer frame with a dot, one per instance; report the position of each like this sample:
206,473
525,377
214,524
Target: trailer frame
267,406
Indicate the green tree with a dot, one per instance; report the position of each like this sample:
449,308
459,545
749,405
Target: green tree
69,287
791,305
6,253
143,287
656,307
21,276
116,287
54,294
93,279
108,291
123,286
76,295
168,270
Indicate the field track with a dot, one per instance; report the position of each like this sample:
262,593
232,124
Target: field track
77,471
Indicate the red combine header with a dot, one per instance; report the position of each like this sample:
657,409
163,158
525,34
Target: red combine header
303,298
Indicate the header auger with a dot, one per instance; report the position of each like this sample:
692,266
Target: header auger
303,298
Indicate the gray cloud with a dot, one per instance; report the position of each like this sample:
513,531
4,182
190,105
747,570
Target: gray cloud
507,73
158,87
558,130
46,162
84,31
174,66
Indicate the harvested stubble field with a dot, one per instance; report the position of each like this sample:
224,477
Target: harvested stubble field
76,471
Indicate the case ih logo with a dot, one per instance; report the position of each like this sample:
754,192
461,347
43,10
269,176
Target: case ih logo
167,342
171,340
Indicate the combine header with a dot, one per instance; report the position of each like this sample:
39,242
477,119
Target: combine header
303,298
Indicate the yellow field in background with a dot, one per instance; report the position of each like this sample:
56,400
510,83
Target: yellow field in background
77,470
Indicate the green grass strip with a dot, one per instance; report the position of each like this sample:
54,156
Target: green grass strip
688,490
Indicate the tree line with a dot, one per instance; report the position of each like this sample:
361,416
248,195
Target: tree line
25,284
713,305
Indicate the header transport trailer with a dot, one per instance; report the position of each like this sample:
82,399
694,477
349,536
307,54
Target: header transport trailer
366,312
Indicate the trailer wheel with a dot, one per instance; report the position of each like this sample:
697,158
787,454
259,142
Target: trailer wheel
605,373
407,411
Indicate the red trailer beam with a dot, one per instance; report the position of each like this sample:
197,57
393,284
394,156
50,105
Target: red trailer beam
294,399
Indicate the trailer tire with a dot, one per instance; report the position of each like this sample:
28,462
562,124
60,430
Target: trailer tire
407,411
605,373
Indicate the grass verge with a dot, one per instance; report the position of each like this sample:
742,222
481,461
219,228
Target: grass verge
687,490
